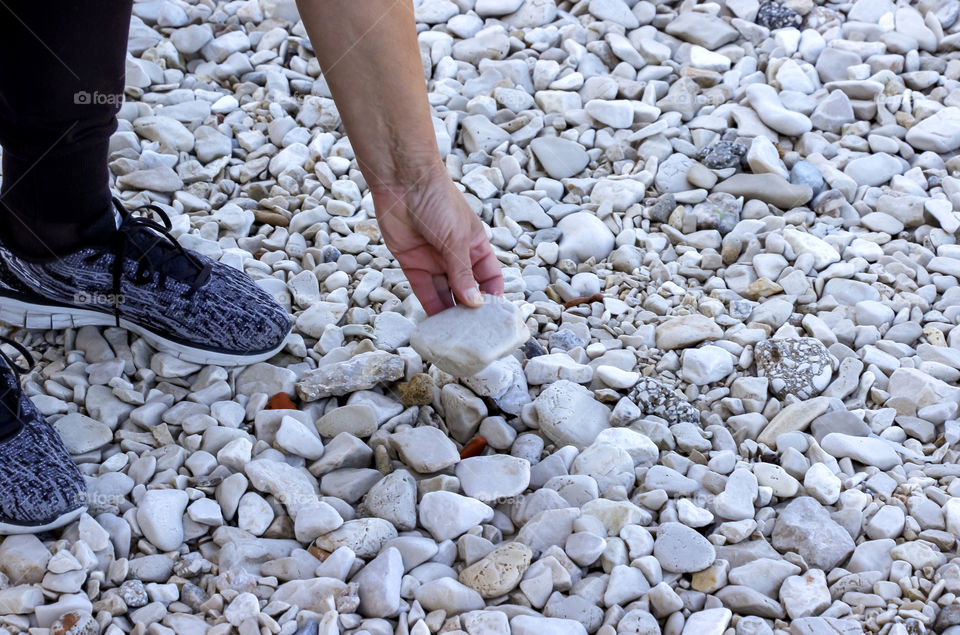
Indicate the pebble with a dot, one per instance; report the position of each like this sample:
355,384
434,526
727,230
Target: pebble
801,367
708,622
806,595
448,595
735,502
23,558
680,549
703,29
464,341
584,236
498,572
769,188
359,420
706,365
379,584
869,451
489,478
875,169
362,372
938,132
82,434
568,414
160,517
805,527
822,484
770,109
723,154
293,486
447,515
686,331
295,438
425,449
560,158
777,16
363,536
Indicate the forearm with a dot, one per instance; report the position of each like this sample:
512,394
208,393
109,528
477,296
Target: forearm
370,58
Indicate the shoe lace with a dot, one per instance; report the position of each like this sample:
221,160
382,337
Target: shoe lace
17,371
161,254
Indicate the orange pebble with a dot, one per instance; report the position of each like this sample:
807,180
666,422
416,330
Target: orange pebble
318,553
280,401
474,447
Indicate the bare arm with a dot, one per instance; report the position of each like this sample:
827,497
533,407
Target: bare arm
369,55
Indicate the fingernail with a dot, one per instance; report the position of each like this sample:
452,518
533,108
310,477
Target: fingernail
473,297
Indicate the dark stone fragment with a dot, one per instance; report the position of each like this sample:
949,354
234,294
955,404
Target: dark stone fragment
723,154
532,349
331,253
776,16
661,210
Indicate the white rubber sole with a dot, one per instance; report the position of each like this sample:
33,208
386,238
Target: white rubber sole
38,316
8,529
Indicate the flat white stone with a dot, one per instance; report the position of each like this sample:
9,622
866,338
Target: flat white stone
494,477
801,242
687,330
569,415
360,420
447,515
560,158
160,517
81,433
939,132
463,341
535,625
708,622
254,514
425,449
706,364
617,377
866,450
682,550
545,369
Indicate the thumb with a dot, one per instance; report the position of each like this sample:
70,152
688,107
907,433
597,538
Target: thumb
460,278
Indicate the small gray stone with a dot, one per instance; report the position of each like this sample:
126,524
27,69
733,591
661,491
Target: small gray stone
805,527
81,433
682,550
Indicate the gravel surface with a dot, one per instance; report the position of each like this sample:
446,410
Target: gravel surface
728,401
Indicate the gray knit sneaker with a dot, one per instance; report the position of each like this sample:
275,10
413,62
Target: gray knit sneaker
181,302
40,486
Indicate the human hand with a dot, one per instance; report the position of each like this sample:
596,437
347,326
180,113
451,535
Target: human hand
438,240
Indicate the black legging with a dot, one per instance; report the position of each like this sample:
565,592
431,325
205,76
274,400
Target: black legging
61,85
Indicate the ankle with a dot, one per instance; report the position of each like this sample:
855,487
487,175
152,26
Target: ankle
53,241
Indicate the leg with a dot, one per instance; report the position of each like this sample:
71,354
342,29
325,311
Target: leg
63,260
58,105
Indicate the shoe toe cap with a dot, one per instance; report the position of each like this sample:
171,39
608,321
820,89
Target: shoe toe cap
39,482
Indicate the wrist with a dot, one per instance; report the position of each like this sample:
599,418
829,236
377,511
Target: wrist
404,171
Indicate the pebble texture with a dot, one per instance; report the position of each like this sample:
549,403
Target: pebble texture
718,396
